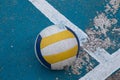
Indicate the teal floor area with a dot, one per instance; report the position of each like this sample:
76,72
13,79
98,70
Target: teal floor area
20,22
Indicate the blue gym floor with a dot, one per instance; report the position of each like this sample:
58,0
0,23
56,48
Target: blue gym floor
20,22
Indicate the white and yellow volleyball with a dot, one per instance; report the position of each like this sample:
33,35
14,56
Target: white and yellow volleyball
56,47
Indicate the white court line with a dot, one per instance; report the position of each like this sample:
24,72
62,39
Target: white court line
108,64
104,70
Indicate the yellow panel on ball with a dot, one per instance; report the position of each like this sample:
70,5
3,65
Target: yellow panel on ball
56,47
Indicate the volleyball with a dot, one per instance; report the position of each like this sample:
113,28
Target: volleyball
56,47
